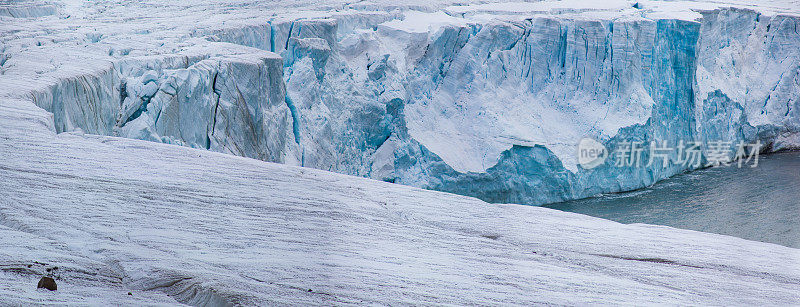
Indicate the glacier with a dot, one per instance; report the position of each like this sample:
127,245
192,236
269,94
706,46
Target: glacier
279,107
484,100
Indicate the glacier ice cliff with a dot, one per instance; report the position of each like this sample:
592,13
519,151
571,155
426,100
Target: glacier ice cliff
484,100
231,103
494,109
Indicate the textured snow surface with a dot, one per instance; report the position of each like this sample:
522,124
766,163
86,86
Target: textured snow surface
173,225
480,99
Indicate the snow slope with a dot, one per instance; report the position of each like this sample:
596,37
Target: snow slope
171,224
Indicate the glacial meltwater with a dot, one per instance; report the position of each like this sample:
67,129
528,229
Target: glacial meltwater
761,203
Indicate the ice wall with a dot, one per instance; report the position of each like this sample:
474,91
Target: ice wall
748,82
494,109
230,103
483,107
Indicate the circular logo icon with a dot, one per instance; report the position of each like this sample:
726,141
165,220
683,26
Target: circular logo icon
591,153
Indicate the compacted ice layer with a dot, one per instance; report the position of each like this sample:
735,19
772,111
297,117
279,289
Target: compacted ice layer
107,216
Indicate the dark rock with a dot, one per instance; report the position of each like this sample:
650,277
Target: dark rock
47,283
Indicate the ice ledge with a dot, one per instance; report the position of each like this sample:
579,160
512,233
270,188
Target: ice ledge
616,9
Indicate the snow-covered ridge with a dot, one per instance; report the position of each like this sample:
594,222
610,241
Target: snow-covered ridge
110,216
486,100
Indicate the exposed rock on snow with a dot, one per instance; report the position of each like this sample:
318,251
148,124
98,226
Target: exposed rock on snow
47,283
